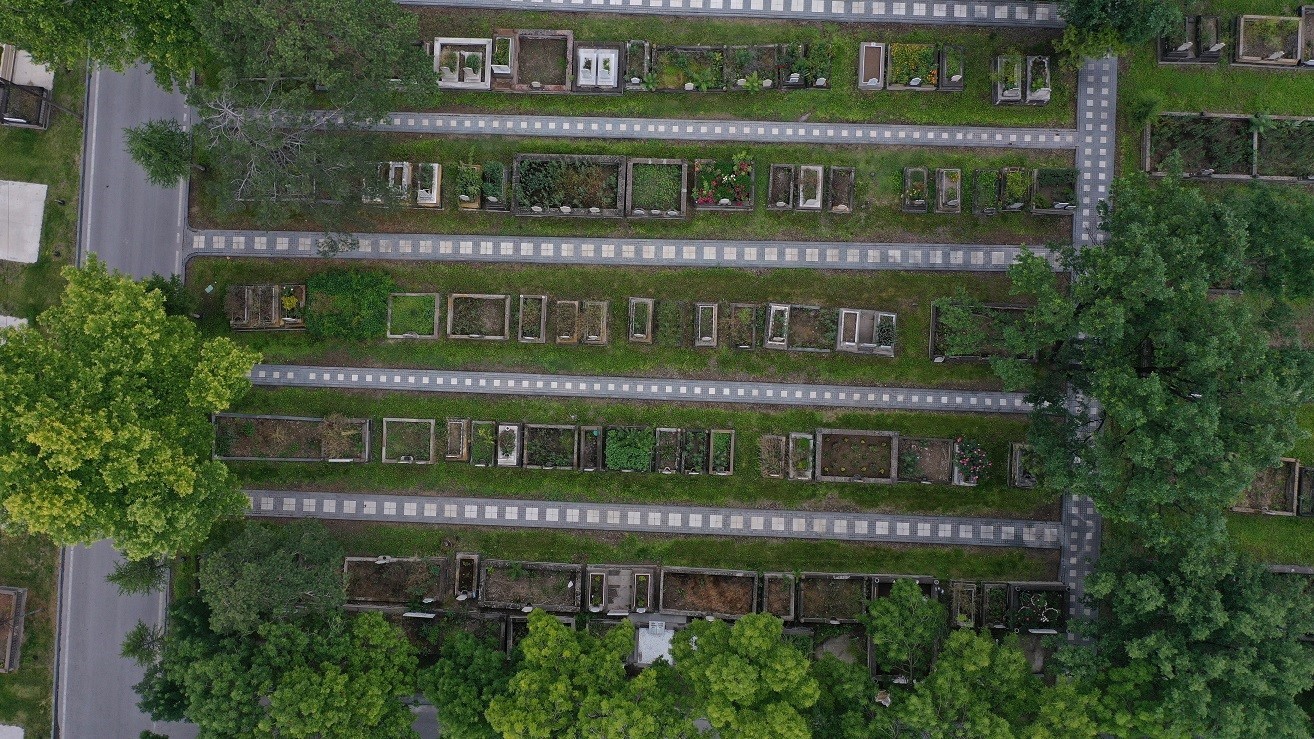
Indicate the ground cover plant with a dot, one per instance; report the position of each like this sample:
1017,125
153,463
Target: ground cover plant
657,187
575,183
412,314
550,446
968,328
478,315
1286,148
856,456
520,583
1272,490
408,439
689,68
914,61
726,183
348,304
746,487
332,437
1054,187
749,67
1221,144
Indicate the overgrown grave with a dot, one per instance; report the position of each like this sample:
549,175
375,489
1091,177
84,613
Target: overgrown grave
841,187
967,331
269,307
832,598
1039,608
772,456
629,448
1054,191
688,68
778,594
478,316
532,319
588,185
395,581
724,184
1208,145
551,447
658,188
508,444
413,315
926,460
915,192
517,585
948,191
695,450
247,437
1273,491
692,591
408,440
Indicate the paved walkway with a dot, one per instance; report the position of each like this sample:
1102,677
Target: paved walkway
623,252
749,132
1025,14
1082,527
1097,103
660,519
852,397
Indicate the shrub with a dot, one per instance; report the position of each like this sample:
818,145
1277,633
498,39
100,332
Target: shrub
348,304
494,174
630,448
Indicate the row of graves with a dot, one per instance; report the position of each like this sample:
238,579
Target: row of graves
1265,41
1231,147
903,66
1286,489
496,596
1044,191
550,61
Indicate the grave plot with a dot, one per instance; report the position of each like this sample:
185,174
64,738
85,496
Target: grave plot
871,65
551,447
483,444
1213,145
831,598
1286,148
771,455
970,462
494,186
469,186
800,456
518,585
913,67
706,325
565,321
391,184
812,328
643,584
590,448
963,601
694,451
1039,608
1015,189
882,585
629,448
752,68
568,185
668,451
689,68
780,188
472,316
841,186
598,68
866,332
721,184
672,323
985,192
1038,82
915,192
408,440
965,331
701,592
13,613
926,460
1273,490
533,315
1179,44
1022,465
742,331
806,65
948,191
1054,191
953,68
265,307
810,193
852,455
412,316
658,188
612,588
723,452
429,185
1008,76
996,608
463,63
847,643
467,575
1267,40
595,320
508,444
291,438
456,440
638,63
778,595
503,47
641,320
542,61
394,580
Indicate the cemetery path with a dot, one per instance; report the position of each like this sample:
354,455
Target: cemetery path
988,13
852,397
659,519
1097,103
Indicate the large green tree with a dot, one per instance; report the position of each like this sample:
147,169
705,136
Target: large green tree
845,700
747,681
905,629
272,573
1128,21
461,684
104,419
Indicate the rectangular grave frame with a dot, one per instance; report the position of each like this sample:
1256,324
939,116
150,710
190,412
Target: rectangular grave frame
819,449
800,203
706,314
437,311
871,54
791,583
692,571
542,319
630,207
577,590
644,335
582,439
460,451
516,456
601,338
568,306
945,184
574,453
403,459
803,617
506,316
840,206
364,423
794,456
779,445
775,203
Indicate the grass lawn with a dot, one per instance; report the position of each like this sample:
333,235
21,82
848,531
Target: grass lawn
412,314
1285,540
368,539
30,562
746,487
877,216
53,157
842,102
909,294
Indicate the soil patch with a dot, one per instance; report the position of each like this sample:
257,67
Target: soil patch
707,593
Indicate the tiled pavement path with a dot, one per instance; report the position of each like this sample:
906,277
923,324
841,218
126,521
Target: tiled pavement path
1024,14
1097,102
856,397
622,252
661,519
1081,549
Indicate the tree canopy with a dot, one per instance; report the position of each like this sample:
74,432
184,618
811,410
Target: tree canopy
104,419
1130,21
461,684
905,629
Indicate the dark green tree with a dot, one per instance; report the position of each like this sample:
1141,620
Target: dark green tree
143,643
162,148
845,702
139,576
461,684
905,628
177,300
1130,21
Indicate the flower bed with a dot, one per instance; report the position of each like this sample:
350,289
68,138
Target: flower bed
751,68
742,332
472,316
689,68
721,593
590,448
1221,145
532,328
265,307
629,448
658,187
800,456
408,440
926,460
668,451
1054,191
780,190
970,462
392,580
550,447
948,191
565,321
552,587
412,315
857,456
985,192
1286,149
694,449
841,189
291,438
723,452
771,455
913,67
706,328
835,599
469,185
995,609
1015,189
724,185
493,186
915,193
568,185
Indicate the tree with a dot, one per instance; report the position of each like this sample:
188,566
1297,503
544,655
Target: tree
272,573
466,678
905,628
142,644
1194,640
845,700
1132,21
104,420
177,300
139,576
746,679
162,148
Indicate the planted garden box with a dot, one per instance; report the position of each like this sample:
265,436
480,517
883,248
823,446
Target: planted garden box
1286,148
752,68
565,321
408,440
772,456
1211,145
412,316
483,443
542,61
953,68
948,191
689,68
659,188
970,462
517,585
668,451
398,580
590,448
721,184
1022,465
533,317
800,456
503,46
494,186
672,323
594,322
1008,78
778,595
871,65
1015,189
806,65
265,307
694,451
1039,608
831,598
629,448
743,326
641,320
856,455
467,575
723,452
841,188
457,439
926,460
1038,84
915,194
576,185
810,193
642,592
985,192
913,67
1268,40
474,316
812,328
705,325
1054,191
780,191
638,75
962,604
551,447
1273,490
866,332
240,437
703,592
429,185
970,331
469,186
996,612
508,444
